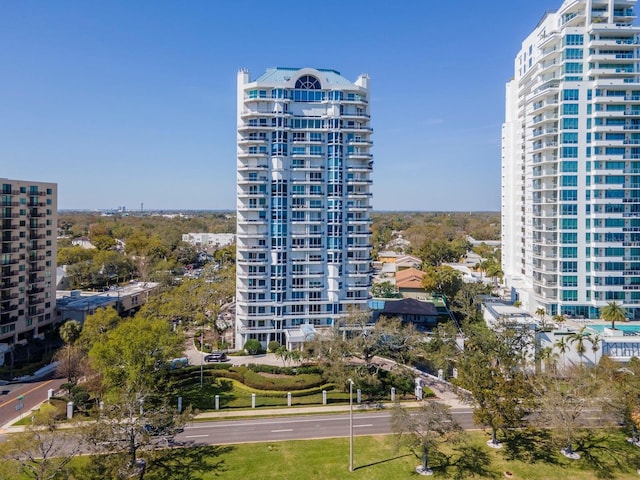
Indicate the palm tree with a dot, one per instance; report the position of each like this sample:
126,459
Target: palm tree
595,345
559,319
563,347
613,312
70,331
541,312
579,338
548,358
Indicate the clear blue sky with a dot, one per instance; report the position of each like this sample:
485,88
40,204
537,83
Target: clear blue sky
129,102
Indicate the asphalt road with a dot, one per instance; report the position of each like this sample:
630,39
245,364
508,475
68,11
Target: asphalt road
296,428
33,393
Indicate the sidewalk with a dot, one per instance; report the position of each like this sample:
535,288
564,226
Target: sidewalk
454,403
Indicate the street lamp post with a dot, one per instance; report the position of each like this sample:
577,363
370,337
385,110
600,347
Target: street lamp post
350,425
201,358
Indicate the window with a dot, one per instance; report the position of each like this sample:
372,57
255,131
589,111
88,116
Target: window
573,67
573,53
574,39
571,94
570,109
569,123
308,82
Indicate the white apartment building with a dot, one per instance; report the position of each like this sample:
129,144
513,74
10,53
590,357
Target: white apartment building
28,262
571,162
209,240
304,201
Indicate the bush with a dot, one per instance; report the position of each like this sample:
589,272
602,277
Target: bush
285,383
273,346
252,346
311,369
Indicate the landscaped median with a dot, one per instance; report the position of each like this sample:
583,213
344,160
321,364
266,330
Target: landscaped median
236,385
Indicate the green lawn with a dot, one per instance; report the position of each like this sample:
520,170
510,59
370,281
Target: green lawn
531,456
376,458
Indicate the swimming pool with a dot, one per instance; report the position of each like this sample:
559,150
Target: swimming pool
625,327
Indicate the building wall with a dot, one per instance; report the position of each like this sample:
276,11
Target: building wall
209,239
304,200
28,259
571,162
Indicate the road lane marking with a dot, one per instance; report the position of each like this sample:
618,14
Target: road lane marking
364,425
25,393
282,430
196,436
280,421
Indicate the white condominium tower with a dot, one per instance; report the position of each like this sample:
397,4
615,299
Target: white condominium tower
28,263
304,201
571,162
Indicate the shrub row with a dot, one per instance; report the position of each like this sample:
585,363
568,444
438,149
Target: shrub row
256,381
279,393
305,369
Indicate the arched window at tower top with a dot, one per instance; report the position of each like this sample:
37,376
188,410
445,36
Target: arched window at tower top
308,82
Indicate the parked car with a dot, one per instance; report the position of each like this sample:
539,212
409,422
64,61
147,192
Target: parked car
216,357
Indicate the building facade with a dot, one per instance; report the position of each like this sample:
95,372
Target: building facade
303,200
28,262
571,162
209,240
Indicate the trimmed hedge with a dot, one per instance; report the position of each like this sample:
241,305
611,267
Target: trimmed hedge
241,387
309,369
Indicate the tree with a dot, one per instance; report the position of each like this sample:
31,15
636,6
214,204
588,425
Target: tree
559,319
563,345
130,425
494,271
547,356
348,350
42,450
74,254
384,290
622,392
467,301
428,428
435,252
579,338
566,403
252,346
132,355
97,325
444,280
613,312
132,361
70,331
542,313
441,349
71,362
494,368
594,339
283,354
